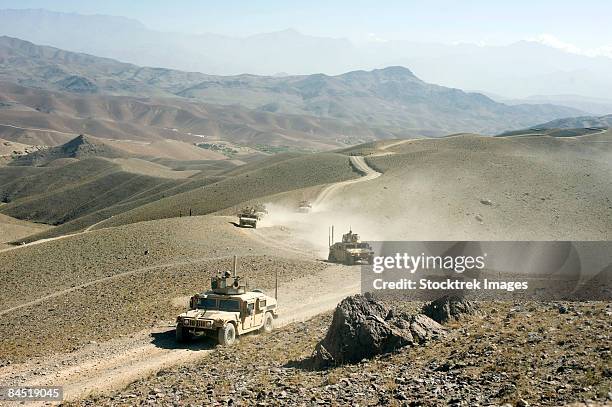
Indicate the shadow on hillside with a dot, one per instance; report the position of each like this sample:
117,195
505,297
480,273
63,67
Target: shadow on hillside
167,340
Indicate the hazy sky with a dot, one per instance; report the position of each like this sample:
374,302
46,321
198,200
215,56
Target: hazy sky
583,24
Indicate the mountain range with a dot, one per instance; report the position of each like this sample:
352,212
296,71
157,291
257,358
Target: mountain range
516,71
382,103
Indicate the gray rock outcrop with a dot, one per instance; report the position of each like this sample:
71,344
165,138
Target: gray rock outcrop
449,307
363,327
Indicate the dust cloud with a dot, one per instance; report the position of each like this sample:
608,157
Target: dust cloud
313,228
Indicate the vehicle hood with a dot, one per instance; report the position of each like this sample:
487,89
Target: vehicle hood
207,314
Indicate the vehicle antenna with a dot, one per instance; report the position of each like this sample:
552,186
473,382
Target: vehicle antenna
235,265
276,287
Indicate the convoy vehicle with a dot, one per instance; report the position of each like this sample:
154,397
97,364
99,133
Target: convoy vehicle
227,311
304,207
250,215
350,250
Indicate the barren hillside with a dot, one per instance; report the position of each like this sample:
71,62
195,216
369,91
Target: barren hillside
36,116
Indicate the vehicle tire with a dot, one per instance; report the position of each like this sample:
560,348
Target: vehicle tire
268,324
227,335
331,258
182,334
350,261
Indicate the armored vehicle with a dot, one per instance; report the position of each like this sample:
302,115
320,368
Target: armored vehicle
226,311
250,215
304,207
350,250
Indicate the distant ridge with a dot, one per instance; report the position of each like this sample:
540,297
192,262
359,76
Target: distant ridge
392,100
567,127
80,147
490,68
602,122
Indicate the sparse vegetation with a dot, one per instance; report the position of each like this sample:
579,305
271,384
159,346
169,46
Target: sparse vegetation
223,148
521,351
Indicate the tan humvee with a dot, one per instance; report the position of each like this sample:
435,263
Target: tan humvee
250,215
304,207
350,251
226,311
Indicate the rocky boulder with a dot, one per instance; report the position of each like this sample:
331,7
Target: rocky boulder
363,327
449,307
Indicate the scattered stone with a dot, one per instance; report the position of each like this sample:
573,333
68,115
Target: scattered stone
486,202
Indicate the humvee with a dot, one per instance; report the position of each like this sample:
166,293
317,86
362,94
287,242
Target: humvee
226,311
304,207
250,215
350,250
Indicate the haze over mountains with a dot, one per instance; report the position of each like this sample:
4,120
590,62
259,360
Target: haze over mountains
78,92
595,106
517,70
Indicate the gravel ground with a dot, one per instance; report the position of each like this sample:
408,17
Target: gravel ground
41,269
127,304
131,290
517,354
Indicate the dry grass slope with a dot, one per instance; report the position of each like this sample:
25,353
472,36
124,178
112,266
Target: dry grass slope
14,229
285,175
58,195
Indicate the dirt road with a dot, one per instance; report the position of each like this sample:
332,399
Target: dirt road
103,367
360,164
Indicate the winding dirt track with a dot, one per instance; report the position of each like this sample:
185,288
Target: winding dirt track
100,368
360,164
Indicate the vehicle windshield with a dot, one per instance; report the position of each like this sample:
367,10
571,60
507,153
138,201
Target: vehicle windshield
214,304
357,246
229,305
207,303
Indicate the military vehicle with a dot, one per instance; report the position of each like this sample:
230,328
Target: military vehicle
304,207
250,215
350,250
227,311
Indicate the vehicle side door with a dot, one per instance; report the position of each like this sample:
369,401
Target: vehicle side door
260,309
248,314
